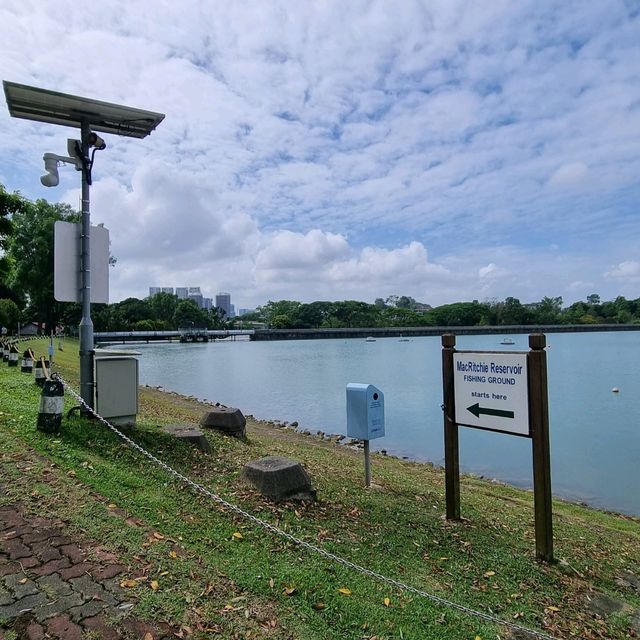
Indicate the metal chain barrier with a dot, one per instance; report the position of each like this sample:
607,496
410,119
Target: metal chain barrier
302,543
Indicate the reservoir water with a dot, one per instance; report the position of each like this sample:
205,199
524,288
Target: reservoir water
595,433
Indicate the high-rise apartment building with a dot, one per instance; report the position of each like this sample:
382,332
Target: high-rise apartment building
182,292
155,290
223,301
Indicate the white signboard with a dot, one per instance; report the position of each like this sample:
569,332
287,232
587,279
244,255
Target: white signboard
491,391
66,268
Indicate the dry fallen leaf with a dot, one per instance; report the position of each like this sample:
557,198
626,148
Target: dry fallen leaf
158,536
345,591
319,606
111,505
488,574
23,581
387,602
289,591
129,584
155,585
271,582
173,554
237,535
148,636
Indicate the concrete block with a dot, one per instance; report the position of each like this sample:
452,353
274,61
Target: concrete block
226,419
189,434
280,478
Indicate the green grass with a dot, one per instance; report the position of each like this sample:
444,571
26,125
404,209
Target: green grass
260,585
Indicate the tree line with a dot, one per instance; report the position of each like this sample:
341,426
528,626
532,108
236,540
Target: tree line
404,311
26,295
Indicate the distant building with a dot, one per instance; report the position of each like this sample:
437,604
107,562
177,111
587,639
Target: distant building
207,303
197,298
182,292
223,301
243,312
155,290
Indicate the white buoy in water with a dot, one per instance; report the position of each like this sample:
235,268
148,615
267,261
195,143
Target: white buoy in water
615,390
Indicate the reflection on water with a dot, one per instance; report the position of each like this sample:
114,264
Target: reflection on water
595,434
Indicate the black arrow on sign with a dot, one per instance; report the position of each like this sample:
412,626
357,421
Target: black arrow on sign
476,409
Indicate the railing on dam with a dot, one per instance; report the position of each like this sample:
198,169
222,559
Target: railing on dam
167,336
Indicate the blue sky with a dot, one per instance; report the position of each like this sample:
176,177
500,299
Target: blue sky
332,150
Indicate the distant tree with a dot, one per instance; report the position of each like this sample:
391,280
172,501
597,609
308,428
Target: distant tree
458,314
594,298
10,204
30,248
353,313
189,314
9,315
216,318
401,317
163,307
380,303
133,310
286,308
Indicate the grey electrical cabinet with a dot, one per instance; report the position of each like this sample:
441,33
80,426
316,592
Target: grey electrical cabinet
116,379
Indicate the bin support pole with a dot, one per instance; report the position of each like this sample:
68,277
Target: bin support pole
451,447
367,465
539,421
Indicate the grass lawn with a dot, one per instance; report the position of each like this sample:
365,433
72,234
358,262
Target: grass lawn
211,573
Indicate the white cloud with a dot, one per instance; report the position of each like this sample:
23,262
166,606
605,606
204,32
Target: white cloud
569,174
628,270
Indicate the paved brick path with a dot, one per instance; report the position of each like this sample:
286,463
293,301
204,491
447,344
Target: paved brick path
51,587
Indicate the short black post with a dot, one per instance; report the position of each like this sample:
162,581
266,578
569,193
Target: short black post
539,424
27,362
451,447
41,371
13,355
51,407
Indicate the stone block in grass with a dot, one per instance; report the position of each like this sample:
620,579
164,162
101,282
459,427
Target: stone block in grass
191,435
279,478
229,420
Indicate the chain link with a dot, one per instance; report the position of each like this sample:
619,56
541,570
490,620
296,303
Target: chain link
302,543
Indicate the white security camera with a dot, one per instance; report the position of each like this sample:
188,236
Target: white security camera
51,178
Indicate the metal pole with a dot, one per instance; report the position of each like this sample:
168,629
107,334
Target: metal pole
86,326
539,419
367,465
451,447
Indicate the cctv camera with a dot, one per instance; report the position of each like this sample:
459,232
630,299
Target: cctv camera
51,178
94,140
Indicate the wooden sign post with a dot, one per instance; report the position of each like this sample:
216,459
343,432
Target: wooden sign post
504,392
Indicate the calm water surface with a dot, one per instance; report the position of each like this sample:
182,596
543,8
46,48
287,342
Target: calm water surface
595,434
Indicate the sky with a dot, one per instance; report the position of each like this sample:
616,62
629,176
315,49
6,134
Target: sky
446,150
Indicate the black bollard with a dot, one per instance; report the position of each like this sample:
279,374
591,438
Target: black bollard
41,371
13,355
5,351
51,407
26,366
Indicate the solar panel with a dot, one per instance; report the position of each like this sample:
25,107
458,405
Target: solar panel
42,105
